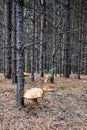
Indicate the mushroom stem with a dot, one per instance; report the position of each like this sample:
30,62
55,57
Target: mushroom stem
35,102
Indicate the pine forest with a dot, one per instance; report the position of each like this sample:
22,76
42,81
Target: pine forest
43,65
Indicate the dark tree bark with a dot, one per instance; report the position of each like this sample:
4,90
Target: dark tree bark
79,40
85,48
7,39
19,46
54,39
36,38
33,40
60,41
42,37
45,42
14,78
67,58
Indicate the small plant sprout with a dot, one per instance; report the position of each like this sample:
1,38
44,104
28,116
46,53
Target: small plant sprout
74,86
61,86
52,70
49,79
61,95
44,91
45,71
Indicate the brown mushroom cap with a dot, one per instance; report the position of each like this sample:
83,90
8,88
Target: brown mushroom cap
48,87
33,93
47,76
26,74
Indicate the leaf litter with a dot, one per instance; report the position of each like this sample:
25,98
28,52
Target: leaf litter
61,109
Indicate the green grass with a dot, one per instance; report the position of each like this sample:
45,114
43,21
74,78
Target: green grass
74,86
61,96
45,71
52,70
61,86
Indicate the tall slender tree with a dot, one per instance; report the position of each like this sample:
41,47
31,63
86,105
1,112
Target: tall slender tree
19,50
79,38
33,39
7,46
54,39
42,3
67,58
14,41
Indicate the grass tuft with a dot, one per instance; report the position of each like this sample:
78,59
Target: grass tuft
61,86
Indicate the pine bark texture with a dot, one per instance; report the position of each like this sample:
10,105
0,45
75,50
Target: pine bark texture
33,40
54,39
14,80
67,58
7,39
19,45
42,36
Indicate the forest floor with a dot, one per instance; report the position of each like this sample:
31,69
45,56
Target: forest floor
65,108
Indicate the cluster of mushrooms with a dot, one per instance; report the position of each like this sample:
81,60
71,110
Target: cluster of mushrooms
35,93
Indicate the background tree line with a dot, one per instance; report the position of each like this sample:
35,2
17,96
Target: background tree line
40,36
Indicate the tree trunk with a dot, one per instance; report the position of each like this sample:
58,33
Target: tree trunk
8,39
42,37
54,39
80,40
14,78
19,45
33,40
67,58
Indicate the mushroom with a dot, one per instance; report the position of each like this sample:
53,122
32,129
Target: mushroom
47,77
34,94
26,74
48,87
